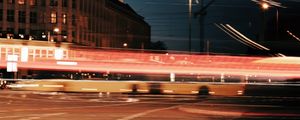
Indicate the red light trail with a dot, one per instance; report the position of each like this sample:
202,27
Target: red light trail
97,60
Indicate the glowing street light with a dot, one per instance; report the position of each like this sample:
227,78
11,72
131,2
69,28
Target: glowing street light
265,6
125,45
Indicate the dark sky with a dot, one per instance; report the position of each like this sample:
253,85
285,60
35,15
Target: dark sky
169,22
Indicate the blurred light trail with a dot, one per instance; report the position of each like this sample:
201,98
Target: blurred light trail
243,38
294,36
269,2
99,60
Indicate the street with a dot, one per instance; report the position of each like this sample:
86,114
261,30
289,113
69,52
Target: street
29,105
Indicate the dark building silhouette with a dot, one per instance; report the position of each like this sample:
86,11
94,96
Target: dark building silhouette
96,23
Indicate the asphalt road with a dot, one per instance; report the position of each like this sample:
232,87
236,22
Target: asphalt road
27,105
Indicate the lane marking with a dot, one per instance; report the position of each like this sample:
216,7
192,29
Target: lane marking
32,116
63,108
134,116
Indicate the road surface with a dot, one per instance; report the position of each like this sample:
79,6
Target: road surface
28,105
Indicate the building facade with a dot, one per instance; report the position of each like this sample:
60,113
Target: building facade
96,23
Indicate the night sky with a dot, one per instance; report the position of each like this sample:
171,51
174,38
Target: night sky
169,23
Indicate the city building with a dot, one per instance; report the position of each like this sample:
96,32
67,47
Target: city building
95,23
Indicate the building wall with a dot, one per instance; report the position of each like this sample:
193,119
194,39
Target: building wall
97,23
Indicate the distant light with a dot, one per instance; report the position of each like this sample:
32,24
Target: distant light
265,6
125,45
56,30
43,36
21,36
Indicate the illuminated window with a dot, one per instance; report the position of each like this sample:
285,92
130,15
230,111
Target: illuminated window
21,2
64,18
54,17
32,2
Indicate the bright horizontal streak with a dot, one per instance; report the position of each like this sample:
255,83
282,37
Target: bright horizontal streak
139,90
23,85
53,86
168,91
280,60
240,92
125,90
66,63
195,92
89,89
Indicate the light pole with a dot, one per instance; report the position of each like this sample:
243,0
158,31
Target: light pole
277,24
266,6
190,25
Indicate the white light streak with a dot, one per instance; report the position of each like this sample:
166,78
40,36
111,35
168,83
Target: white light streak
67,63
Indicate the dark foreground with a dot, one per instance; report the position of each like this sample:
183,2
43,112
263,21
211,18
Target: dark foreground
20,105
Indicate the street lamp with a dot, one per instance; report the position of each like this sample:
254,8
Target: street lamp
265,6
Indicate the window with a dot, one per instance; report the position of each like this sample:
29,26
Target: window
53,2
53,17
21,31
32,2
74,4
43,2
21,2
64,18
33,17
1,14
65,3
73,20
22,16
10,30
10,15
11,1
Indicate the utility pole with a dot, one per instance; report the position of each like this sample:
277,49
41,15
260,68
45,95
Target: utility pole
204,44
